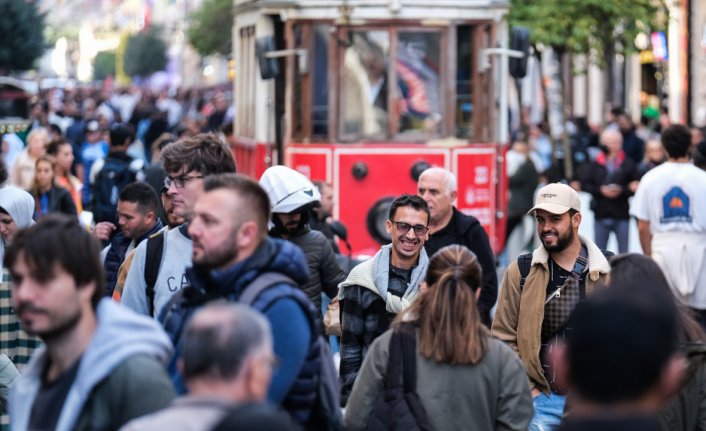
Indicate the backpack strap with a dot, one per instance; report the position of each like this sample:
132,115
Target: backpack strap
153,260
403,353
409,361
524,262
262,283
394,361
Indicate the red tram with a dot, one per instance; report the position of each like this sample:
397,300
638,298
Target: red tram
365,94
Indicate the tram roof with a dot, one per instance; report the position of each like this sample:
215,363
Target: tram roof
378,9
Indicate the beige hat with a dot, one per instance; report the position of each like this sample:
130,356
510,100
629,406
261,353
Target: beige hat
556,198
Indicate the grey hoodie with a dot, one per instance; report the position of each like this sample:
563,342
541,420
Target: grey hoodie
120,334
20,205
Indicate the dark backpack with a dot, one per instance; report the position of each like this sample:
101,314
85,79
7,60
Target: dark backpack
153,260
524,262
110,180
326,414
398,407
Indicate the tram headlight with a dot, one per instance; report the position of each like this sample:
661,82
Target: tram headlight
377,216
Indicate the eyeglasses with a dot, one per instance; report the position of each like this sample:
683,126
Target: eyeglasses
403,227
179,181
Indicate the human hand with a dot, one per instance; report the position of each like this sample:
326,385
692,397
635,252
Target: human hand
103,230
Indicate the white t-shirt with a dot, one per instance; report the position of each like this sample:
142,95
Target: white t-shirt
672,197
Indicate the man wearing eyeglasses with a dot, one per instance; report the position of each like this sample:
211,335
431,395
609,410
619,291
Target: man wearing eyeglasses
437,186
158,268
379,288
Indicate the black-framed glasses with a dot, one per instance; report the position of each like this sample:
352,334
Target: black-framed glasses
419,229
179,181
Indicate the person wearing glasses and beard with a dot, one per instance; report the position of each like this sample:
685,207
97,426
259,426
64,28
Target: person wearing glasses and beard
158,272
379,288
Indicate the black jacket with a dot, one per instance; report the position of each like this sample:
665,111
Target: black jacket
522,185
324,272
115,256
466,230
59,201
596,175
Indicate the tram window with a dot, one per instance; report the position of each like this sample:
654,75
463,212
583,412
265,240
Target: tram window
419,94
364,85
319,91
464,74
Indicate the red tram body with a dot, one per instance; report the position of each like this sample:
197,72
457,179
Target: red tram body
366,94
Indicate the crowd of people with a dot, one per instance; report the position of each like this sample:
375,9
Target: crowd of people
170,292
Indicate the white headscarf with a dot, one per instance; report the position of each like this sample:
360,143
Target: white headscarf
20,205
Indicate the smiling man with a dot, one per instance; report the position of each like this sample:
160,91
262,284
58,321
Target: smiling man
158,268
379,288
540,291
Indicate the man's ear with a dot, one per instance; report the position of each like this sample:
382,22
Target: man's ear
453,196
576,220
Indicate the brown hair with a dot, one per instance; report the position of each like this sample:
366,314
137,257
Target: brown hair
450,329
43,248
204,153
257,203
34,189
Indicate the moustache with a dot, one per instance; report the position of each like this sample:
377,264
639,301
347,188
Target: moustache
22,307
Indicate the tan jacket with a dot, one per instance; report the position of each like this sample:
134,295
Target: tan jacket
519,315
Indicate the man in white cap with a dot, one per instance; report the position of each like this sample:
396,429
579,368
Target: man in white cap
540,291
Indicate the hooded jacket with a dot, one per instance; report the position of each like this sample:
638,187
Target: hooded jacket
120,376
291,330
518,319
325,274
19,205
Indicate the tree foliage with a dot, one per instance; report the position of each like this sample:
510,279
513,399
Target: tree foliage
211,27
104,65
594,27
22,35
145,53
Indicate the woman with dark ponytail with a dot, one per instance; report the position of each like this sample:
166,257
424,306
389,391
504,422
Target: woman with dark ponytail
465,379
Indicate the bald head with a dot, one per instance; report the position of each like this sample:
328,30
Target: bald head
612,139
221,337
437,186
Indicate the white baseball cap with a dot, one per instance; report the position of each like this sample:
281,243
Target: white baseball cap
556,198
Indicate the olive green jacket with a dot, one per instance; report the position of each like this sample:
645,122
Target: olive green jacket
519,315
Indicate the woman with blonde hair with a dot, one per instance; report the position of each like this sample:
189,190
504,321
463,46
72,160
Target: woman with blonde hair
465,379
23,170
48,197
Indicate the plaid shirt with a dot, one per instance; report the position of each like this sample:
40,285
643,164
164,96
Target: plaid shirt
14,342
364,317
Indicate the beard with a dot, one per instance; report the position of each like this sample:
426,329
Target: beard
562,242
218,257
62,325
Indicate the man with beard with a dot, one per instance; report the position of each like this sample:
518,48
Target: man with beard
102,364
540,291
292,196
231,251
379,288
159,266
